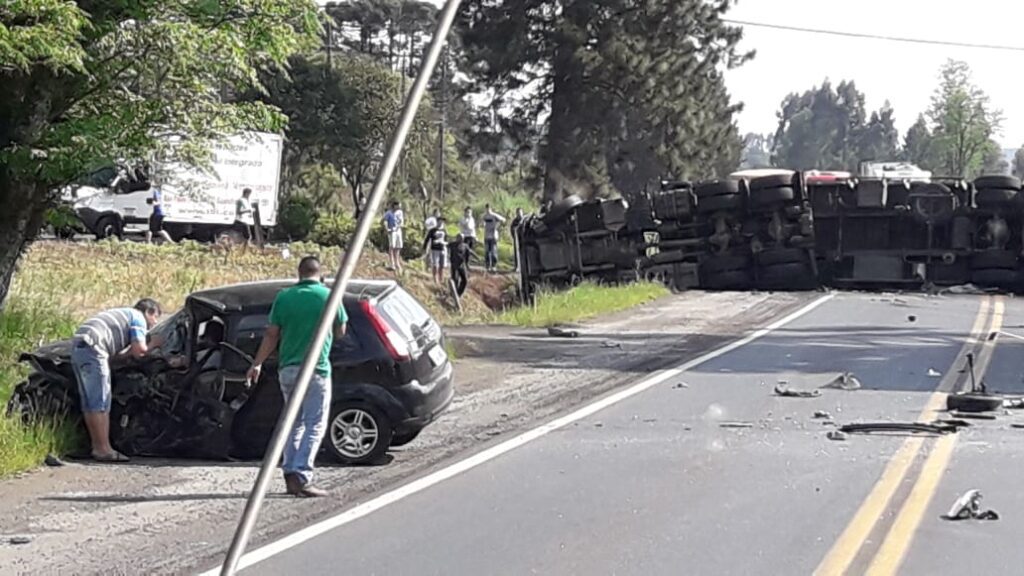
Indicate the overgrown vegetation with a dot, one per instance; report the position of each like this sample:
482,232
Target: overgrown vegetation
584,301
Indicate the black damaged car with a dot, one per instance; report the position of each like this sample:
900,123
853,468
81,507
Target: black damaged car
391,375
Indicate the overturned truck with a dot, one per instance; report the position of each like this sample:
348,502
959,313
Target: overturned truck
785,230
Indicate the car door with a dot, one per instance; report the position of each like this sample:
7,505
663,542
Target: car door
254,423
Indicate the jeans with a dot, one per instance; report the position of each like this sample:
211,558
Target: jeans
308,431
491,254
92,371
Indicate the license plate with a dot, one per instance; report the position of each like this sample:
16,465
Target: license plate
437,355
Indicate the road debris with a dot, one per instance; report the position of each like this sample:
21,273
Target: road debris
973,402
836,435
911,318
611,344
933,373
557,332
972,415
970,289
680,385
19,540
787,392
822,414
53,461
845,381
968,507
1017,425
940,427
736,425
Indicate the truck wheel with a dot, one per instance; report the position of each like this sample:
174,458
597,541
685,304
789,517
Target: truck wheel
230,237
994,197
731,280
1002,259
106,227
762,197
782,256
997,182
719,203
773,181
717,188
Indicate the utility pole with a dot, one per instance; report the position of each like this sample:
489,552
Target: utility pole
330,40
443,125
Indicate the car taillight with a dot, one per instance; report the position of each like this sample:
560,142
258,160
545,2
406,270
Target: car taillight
397,347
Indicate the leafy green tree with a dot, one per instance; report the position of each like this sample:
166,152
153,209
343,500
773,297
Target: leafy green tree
918,145
88,82
878,140
963,122
757,151
824,129
994,161
627,91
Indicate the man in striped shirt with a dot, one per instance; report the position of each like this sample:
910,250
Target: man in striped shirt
107,335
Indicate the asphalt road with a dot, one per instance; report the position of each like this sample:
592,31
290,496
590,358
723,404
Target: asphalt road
653,483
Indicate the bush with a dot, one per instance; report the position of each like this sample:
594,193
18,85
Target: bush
333,229
296,218
64,221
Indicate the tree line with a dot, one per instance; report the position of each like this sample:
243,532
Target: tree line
829,128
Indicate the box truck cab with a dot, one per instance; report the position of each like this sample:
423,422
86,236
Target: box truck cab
197,204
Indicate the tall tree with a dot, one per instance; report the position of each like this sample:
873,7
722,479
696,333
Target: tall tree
994,161
606,75
879,139
1018,163
963,121
918,145
824,128
757,151
88,82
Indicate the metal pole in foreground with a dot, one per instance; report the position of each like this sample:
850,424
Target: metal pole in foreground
348,265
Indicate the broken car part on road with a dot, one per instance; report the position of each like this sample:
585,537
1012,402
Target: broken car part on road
968,507
940,427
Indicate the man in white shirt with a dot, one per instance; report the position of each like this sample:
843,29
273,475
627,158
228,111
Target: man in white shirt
243,215
467,227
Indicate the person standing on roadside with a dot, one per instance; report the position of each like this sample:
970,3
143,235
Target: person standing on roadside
492,231
515,228
244,216
436,242
429,224
467,227
394,220
460,257
108,336
294,317
156,218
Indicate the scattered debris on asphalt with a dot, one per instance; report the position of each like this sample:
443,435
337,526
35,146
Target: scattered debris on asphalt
786,391
1017,425
736,425
19,540
53,461
822,415
933,373
940,427
680,385
911,318
973,402
969,289
968,507
611,344
972,415
557,332
836,435
845,381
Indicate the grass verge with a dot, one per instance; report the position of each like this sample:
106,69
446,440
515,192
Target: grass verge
582,302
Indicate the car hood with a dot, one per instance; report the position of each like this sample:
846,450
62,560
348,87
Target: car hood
56,352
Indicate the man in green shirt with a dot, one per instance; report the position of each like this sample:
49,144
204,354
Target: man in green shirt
293,321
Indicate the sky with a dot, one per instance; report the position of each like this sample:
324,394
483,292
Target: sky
904,74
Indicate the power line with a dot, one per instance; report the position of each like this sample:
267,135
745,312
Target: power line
875,36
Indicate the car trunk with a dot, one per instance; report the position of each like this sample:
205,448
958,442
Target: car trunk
413,326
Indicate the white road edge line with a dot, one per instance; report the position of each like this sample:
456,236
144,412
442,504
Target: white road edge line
366,508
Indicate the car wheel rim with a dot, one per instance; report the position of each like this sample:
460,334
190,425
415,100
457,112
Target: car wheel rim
354,433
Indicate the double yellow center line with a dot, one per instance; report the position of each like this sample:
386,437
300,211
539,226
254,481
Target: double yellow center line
893,549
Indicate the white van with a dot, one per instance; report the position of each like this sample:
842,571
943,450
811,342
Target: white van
197,204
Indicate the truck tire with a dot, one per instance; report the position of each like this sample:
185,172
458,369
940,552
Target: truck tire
991,198
763,197
717,188
724,202
718,264
106,227
974,403
792,276
997,182
731,280
994,259
782,256
773,181
996,278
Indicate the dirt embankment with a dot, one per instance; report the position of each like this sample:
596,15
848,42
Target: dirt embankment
157,516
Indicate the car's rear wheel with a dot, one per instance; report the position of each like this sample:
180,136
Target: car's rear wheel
358,433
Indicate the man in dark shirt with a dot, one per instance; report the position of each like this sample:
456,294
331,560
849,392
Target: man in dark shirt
515,228
460,257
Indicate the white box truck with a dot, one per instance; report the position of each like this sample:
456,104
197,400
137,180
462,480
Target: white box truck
197,204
